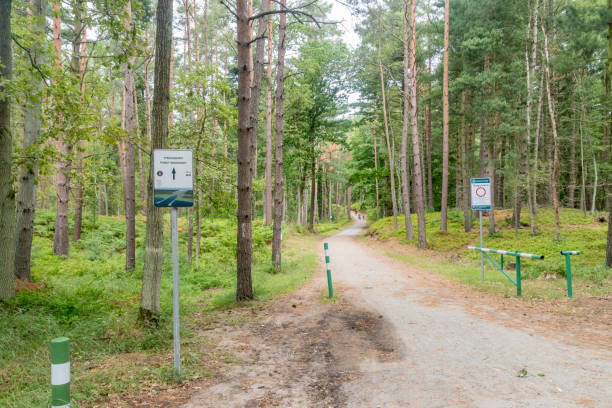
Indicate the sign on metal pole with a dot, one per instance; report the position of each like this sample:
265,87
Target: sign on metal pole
481,193
173,187
172,178
481,200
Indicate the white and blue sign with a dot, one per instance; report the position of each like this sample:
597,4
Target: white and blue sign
481,193
172,178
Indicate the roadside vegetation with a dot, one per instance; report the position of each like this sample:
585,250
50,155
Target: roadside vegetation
91,299
541,278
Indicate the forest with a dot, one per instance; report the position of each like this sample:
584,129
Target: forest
290,126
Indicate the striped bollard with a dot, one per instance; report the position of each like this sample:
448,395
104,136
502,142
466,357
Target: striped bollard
60,373
329,280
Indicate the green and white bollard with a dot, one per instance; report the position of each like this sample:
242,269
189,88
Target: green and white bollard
329,279
60,373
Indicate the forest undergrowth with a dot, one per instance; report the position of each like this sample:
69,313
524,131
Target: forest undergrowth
90,298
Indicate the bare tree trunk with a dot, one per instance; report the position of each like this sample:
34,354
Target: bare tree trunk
7,193
138,147
466,150
608,146
78,68
406,118
256,77
417,178
390,155
129,189
532,29
444,204
268,193
428,138
349,191
278,175
26,201
536,145
571,185
375,174
313,184
151,277
244,238
61,245
554,178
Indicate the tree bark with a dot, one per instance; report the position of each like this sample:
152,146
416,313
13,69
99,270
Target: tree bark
278,175
532,29
151,277
554,178
244,238
313,190
375,174
79,44
61,244
389,153
7,193
268,192
444,203
466,150
129,189
609,242
417,178
26,201
405,122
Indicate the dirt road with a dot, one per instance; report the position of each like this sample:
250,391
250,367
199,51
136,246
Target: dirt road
392,341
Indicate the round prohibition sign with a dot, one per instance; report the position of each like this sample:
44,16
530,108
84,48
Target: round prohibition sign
481,192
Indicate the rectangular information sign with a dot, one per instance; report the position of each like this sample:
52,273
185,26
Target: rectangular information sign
481,193
172,178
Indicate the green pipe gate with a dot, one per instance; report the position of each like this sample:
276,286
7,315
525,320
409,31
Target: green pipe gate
517,255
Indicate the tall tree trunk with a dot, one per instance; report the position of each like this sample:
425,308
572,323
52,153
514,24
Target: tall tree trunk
571,185
138,147
244,235
406,118
466,151
428,138
375,174
444,204
151,276
129,189
256,77
26,200
313,183
7,193
389,153
417,178
349,192
536,145
609,242
78,68
61,244
268,192
554,177
532,29
278,174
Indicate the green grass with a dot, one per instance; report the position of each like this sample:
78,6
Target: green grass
89,298
578,232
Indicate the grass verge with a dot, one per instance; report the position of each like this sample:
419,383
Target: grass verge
540,278
90,298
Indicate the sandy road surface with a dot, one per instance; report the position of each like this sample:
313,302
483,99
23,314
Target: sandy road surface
395,340
450,358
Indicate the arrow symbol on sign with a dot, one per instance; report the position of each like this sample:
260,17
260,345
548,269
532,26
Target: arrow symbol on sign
173,174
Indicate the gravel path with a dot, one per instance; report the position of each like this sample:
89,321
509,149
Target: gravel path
449,358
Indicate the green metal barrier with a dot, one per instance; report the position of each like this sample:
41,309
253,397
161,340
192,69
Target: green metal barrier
568,269
518,255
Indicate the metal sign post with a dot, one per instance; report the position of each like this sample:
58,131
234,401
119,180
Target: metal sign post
481,201
173,187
